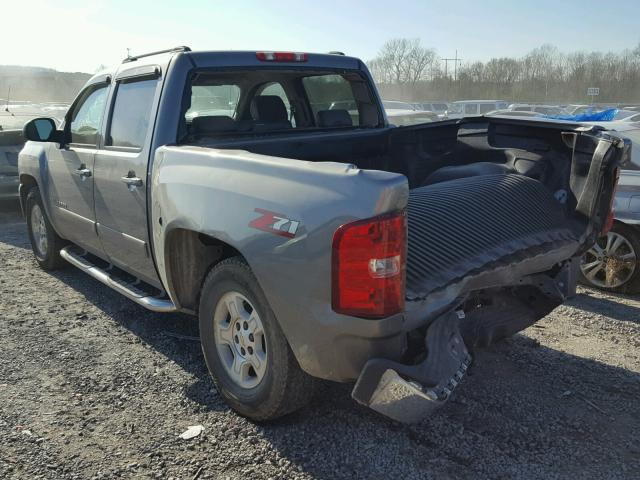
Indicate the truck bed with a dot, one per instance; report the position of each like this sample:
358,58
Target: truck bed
466,226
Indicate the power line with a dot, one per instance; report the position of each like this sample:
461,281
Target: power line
455,61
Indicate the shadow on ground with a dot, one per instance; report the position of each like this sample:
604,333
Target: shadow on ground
609,307
521,404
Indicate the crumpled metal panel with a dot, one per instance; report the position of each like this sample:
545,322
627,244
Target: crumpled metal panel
461,227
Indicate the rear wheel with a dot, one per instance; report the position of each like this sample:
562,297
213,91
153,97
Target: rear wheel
613,263
246,352
45,242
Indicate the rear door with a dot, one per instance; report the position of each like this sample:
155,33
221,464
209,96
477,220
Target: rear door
121,172
70,169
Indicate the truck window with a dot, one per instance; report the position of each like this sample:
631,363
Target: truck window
131,113
258,101
330,92
207,100
275,89
87,116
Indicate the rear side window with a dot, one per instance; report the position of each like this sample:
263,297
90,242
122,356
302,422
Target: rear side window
87,116
131,113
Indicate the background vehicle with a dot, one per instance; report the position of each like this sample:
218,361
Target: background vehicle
308,244
470,108
627,116
614,262
403,114
578,109
11,142
438,107
542,109
513,113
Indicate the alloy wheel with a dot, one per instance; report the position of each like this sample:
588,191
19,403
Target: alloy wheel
611,262
240,339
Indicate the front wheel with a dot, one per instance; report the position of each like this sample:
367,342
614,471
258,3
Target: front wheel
613,263
45,242
246,352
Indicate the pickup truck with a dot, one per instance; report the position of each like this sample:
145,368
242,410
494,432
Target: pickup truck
314,242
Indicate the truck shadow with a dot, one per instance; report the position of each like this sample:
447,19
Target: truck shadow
521,402
174,335
608,304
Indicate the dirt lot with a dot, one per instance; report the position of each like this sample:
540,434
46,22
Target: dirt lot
93,386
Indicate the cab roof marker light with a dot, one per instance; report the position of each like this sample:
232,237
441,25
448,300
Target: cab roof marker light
281,56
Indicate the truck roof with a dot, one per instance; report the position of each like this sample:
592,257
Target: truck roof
221,58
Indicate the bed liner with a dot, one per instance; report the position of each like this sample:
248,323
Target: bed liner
466,227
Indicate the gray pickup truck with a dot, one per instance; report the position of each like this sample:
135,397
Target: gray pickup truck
314,242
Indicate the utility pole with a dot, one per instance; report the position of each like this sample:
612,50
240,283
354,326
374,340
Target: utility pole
455,61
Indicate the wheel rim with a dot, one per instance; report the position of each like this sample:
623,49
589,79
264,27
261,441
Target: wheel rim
240,340
39,230
611,262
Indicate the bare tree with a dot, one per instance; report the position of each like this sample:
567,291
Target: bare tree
403,61
405,69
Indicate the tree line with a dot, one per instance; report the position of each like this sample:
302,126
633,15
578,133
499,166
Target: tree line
37,84
406,70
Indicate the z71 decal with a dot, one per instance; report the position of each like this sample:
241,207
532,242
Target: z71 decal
275,223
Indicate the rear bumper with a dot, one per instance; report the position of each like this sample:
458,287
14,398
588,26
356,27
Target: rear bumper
340,348
409,393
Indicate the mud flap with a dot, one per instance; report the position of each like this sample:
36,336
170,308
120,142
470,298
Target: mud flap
409,393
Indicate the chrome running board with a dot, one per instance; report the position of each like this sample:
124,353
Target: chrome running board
129,290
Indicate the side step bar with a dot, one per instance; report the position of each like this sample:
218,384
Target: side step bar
71,255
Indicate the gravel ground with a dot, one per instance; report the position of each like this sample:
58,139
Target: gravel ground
93,386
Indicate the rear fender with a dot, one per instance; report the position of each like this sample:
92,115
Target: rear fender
280,215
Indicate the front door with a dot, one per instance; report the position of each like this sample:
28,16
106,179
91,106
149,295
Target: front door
70,170
121,176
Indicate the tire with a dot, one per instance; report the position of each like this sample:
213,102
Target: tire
622,264
45,242
230,298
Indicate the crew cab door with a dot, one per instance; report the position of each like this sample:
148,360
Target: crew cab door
121,172
70,169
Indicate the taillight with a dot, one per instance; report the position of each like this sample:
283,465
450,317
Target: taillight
369,259
608,223
281,56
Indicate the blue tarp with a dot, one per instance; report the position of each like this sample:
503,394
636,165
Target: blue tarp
588,116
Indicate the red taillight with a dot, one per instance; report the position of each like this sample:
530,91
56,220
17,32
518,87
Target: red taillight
369,258
281,56
608,224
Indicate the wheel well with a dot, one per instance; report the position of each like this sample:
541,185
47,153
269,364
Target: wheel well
189,256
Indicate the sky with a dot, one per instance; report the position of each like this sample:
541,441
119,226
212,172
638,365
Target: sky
81,35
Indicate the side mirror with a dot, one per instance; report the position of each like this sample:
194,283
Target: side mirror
42,130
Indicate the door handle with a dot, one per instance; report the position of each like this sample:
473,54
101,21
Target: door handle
132,182
83,172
